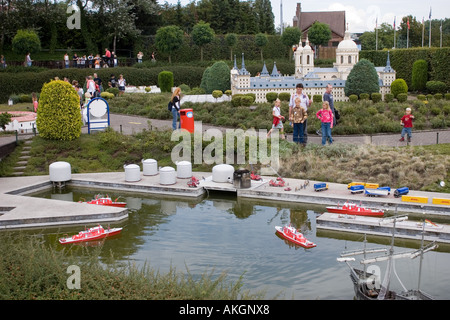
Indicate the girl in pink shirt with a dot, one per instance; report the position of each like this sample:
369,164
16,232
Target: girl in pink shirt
326,116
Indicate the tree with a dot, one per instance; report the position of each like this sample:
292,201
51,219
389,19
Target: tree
5,118
291,36
216,77
261,41
58,115
202,34
398,86
169,39
419,76
319,34
231,41
265,17
26,41
362,79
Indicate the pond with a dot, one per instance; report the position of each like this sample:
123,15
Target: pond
222,233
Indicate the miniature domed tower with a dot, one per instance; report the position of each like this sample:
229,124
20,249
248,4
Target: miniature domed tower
347,55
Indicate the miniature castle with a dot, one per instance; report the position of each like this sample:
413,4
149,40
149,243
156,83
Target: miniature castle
314,79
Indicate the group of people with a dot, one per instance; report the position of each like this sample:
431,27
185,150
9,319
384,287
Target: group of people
109,59
298,115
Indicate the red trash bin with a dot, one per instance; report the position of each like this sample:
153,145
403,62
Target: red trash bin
187,119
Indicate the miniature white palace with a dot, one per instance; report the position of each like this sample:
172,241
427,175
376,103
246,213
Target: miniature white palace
313,79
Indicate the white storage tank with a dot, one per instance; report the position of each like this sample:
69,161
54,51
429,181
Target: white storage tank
184,169
167,175
222,173
60,171
150,167
132,173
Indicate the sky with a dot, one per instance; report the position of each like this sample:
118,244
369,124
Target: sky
361,15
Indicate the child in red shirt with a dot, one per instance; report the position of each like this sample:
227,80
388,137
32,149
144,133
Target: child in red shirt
407,124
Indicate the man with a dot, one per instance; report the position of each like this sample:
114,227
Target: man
304,102
107,56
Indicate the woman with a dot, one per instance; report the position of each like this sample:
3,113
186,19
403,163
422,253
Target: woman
277,122
122,83
298,118
326,117
176,107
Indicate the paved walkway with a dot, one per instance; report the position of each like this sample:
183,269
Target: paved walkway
133,124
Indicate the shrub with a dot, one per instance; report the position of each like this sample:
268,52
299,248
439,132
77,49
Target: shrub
217,94
399,86
317,98
435,111
114,91
419,76
430,97
284,96
247,100
363,78
107,95
228,93
436,87
216,77
438,96
402,97
58,115
148,89
388,97
353,98
271,96
26,41
447,96
376,97
364,96
421,97
165,81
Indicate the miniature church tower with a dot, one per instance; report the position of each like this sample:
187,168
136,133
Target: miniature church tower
347,55
304,59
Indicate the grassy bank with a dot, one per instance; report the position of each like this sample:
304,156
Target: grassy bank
32,270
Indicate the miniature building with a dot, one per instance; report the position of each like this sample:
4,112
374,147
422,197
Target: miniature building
313,79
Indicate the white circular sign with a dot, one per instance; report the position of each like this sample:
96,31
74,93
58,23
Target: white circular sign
98,107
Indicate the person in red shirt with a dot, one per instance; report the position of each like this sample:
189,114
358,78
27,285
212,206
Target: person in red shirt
407,124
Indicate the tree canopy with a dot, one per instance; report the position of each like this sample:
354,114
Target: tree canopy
362,79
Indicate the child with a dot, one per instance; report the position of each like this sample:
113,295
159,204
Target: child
406,122
326,116
35,101
298,117
277,122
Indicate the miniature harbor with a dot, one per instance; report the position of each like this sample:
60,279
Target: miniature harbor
17,210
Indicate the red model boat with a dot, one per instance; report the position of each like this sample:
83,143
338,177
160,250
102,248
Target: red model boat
279,182
91,234
291,234
107,201
357,210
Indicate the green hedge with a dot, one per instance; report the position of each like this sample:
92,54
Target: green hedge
402,60
28,82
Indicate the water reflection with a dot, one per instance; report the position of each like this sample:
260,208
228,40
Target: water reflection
238,236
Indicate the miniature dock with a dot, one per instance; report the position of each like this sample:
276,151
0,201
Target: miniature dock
370,225
20,211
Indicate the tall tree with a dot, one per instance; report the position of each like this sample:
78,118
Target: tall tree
319,34
202,34
265,16
261,41
169,39
291,36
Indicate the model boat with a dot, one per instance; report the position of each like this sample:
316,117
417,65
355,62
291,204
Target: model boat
354,209
293,235
368,284
107,201
91,234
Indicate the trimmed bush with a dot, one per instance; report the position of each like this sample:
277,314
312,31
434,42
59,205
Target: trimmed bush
271,96
114,91
376,97
353,98
399,86
284,96
402,97
165,81
364,96
419,75
317,98
438,96
217,94
216,77
26,41
436,87
58,115
363,78
388,97
447,96
421,97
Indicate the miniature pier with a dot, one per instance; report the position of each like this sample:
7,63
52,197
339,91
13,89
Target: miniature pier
17,210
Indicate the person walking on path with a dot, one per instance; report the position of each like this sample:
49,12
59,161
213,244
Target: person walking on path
326,117
304,102
406,122
299,116
277,122
176,108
